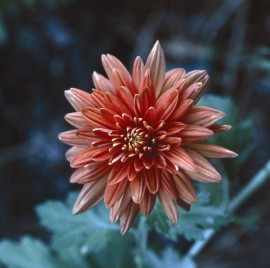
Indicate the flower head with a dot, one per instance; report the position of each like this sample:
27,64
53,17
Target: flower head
141,136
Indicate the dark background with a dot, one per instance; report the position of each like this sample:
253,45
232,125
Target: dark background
47,47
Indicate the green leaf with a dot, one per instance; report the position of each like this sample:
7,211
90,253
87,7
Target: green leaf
28,252
203,215
238,139
87,232
168,258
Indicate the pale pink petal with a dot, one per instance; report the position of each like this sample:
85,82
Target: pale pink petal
90,173
205,171
169,205
70,137
203,116
90,195
102,83
76,119
128,216
73,152
78,99
173,78
167,185
156,64
110,63
211,150
120,206
220,128
138,74
184,188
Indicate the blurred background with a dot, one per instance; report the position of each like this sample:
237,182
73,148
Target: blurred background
48,46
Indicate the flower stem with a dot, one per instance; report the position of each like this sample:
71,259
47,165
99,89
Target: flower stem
255,183
141,237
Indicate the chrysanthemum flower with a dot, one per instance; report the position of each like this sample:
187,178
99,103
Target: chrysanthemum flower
141,136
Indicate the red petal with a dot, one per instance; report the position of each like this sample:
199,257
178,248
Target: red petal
166,103
173,128
192,133
151,178
91,154
114,192
147,203
117,174
137,188
181,110
180,158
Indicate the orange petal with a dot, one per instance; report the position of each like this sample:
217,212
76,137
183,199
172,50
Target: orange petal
156,64
90,195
